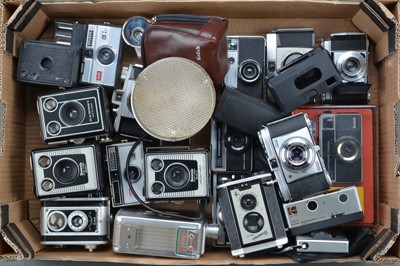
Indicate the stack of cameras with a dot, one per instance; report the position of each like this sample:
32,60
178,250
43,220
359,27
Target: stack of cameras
280,168
306,106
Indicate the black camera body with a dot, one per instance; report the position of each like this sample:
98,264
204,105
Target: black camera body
306,78
177,175
74,114
340,138
231,149
50,64
247,64
67,170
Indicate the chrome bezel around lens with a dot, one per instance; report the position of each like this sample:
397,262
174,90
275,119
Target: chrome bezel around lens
338,147
62,109
85,221
169,182
360,74
302,143
61,160
62,215
245,63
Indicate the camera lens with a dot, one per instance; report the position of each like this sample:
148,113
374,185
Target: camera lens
72,113
134,173
57,221
248,202
177,175
289,59
352,66
348,149
253,222
46,63
249,71
236,142
157,188
78,221
312,205
106,56
297,153
66,171
53,128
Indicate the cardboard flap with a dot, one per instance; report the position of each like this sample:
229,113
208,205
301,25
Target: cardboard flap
18,232
380,25
2,118
385,237
27,22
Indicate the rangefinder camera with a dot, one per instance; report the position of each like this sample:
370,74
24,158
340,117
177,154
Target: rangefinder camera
75,221
117,156
340,138
286,45
102,54
125,123
231,149
146,233
294,158
74,115
323,211
67,170
252,215
246,71
349,51
177,175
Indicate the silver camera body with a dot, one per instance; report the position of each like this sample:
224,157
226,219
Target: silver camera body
286,45
146,233
294,158
102,53
74,114
117,155
67,170
252,215
177,175
323,211
125,123
322,242
75,221
349,51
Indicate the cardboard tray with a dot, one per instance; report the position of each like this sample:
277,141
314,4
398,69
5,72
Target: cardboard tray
19,125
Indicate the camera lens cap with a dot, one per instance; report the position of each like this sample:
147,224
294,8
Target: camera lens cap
173,99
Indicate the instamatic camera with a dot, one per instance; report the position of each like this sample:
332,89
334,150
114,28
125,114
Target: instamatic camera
67,170
75,221
74,114
125,122
294,157
340,138
146,233
177,175
286,45
252,215
102,55
117,155
246,71
232,149
323,211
